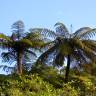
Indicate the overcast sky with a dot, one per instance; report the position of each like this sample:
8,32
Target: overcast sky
45,13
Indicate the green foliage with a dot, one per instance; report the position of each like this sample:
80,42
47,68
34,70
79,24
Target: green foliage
20,46
44,80
84,85
49,74
31,85
76,47
80,85
35,85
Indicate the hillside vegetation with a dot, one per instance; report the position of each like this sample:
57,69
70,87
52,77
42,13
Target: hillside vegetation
39,56
47,83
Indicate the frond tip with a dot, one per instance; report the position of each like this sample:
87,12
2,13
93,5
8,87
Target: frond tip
4,37
85,32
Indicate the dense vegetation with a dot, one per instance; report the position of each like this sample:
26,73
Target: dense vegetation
47,75
47,83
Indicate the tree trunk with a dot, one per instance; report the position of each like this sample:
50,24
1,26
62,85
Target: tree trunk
67,69
19,63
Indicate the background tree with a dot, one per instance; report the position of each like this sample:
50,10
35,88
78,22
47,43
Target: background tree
18,29
20,46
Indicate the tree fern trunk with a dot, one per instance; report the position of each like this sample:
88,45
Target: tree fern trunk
67,69
19,63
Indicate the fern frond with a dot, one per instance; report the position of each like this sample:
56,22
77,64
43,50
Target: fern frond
4,37
7,68
31,52
59,60
90,44
45,55
61,30
25,42
58,24
8,57
84,33
45,32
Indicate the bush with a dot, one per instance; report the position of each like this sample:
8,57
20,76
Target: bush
84,85
34,85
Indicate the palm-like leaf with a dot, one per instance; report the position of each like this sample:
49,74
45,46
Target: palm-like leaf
7,68
84,33
59,60
8,57
62,26
4,37
45,32
61,30
45,55
31,52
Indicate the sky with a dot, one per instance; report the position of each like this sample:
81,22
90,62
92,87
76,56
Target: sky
45,13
